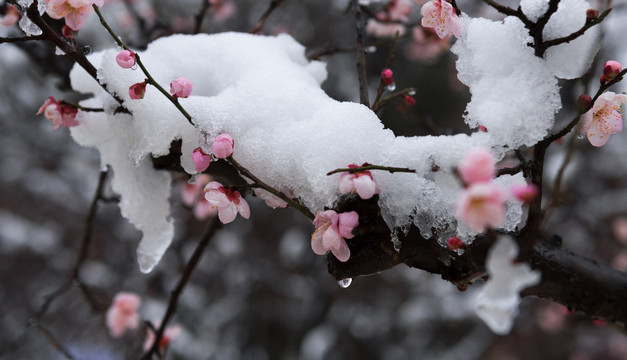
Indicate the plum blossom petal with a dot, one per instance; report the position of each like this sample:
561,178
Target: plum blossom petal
477,166
441,16
497,302
59,114
347,221
122,314
482,205
270,199
362,182
228,202
126,59
604,118
181,87
75,12
201,159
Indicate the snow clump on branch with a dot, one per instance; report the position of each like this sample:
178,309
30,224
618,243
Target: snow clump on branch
292,136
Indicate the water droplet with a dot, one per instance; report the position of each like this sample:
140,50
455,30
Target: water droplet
370,49
134,67
391,87
192,179
58,51
344,283
86,49
411,92
580,136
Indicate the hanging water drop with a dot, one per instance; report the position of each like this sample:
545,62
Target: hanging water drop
134,67
411,92
370,49
580,136
86,49
344,283
391,87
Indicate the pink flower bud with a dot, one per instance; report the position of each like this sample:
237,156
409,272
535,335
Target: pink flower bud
67,32
387,76
201,160
408,100
222,146
610,70
126,59
455,244
591,14
483,128
180,87
524,192
137,91
584,102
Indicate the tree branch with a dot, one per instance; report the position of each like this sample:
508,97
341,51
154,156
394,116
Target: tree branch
360,23
212,227
262,21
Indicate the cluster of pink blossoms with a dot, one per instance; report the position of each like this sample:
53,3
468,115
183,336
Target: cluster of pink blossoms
221,148
75,12
331,230
122,316
482,203
60,114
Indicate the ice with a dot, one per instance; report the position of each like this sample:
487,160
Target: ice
571,60
28,27
497,301
289,133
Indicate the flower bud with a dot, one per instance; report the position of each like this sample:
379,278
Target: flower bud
67,32
222,146
455,244
126,59
584,102
483,128
387,76
524,192
610,70
200,159
137,91
180,87
408,100
591,14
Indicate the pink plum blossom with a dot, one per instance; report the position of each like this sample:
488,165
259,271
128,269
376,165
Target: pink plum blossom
524,192
59,114
380,29
603,119
137,91
426,45
611,70
331,230
477,166
222,9
122,314
180,87
194,196
362,182
441,16
228,202
222,146
169,334
75,12
408,100
11,17
200,159
384,25
126,59
481,205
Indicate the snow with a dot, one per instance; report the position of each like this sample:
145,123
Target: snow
497,302
265,94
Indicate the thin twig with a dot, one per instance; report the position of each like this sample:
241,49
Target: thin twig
52,340
262,21
198,18
149,78
291,202
80,107
388,62
21,39
393,95
212,227
579,32
360,23
365,167
557,184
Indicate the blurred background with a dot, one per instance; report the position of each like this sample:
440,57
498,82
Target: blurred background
260,292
